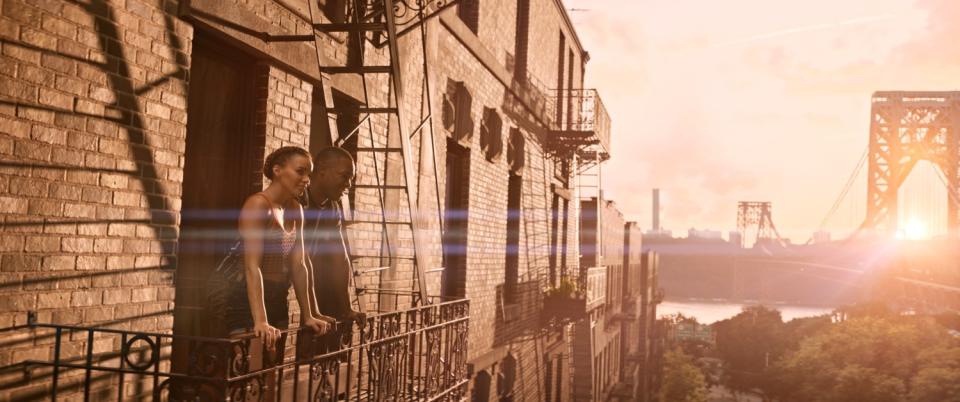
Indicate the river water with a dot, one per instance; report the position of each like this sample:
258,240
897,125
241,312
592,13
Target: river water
709,312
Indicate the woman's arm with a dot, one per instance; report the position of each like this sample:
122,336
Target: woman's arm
253,217
302,285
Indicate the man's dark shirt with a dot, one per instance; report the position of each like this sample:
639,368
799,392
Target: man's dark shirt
327,255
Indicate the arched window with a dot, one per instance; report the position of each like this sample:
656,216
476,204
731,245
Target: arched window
516,151
506,378
481,387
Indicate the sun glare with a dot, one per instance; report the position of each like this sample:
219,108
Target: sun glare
913,229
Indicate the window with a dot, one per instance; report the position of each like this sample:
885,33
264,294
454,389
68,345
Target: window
516,150
573,108
506,378
347,133
514,213
469,13
564,229
560,82
481,387
455,220
520,50
554,237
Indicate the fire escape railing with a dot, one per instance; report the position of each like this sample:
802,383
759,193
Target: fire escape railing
418,354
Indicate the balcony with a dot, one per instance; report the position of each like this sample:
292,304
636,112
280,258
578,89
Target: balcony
563,304
581,125
596,287
658,296
415,354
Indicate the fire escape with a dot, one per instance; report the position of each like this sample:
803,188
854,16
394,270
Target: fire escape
580,135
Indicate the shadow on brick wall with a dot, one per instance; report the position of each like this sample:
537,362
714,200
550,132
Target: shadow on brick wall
518,319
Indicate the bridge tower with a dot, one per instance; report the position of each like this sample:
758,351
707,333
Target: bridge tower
905,128
759,215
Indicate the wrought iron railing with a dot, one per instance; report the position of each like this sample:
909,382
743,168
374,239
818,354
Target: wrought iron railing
582,112
411,355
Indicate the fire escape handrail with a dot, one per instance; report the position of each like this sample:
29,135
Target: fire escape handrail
413,354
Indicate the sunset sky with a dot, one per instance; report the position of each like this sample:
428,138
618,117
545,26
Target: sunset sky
720,101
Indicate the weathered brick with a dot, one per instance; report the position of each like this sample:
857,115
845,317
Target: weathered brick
58,26
14,127
82,141
76,245
90,263
122,229
69,317
57,63
120,262
9,29
139,295
45,207
98,314
17,301
113,180
36,75
34,113
42,244
126,199
53,300
39,353
37,38
59,263
17,89
79,210
117,296
21,53
90,108
67,156
158,110
11,205
108,245
102,94
20,263
92,229
86,298
71,48
49,135
97,195
56,99
106,281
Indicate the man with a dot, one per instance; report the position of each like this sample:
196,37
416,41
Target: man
333,172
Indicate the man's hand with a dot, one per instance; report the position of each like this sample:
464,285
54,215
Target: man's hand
357,318
318,325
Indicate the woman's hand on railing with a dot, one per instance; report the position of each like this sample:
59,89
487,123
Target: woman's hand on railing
268,333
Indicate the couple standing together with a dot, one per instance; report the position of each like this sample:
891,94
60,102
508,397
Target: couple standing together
283,245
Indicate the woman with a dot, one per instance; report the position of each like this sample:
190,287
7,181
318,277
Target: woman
271,228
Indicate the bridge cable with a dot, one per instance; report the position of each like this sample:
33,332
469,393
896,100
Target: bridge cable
846,189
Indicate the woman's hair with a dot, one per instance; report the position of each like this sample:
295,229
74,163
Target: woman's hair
280,157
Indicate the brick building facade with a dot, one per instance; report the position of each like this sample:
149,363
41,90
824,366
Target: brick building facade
131,131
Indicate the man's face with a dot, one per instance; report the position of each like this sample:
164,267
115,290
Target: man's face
330,182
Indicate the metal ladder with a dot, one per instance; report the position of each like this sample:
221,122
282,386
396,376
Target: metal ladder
588,168
370,21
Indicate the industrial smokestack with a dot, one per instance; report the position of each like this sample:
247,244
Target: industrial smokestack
656,210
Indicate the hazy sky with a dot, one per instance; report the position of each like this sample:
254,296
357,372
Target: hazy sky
765,100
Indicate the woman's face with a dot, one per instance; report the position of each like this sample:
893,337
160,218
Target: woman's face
294,174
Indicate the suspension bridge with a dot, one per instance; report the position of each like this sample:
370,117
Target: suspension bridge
900,206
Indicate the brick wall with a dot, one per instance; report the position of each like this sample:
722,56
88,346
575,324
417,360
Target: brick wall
92,128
